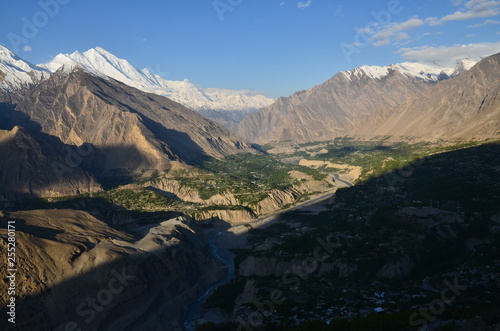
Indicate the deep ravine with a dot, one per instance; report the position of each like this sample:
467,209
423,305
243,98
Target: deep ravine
225,257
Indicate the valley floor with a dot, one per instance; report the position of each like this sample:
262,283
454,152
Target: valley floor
368,233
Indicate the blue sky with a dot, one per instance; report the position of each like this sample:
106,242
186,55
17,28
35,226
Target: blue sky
273,46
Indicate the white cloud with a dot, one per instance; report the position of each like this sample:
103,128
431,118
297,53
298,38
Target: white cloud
397,33
437,33
303,5
447,56
473,9
487,22
282,3
392,32
27,48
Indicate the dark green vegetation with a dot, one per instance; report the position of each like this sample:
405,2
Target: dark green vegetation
138,199
118,206
393,242
249,177
374,156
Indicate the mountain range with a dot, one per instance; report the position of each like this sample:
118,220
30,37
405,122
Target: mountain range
67,131
466,106
97,101
225,105
109,181
345,102
351,102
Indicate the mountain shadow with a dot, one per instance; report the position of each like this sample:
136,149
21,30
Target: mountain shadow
390,244
99,278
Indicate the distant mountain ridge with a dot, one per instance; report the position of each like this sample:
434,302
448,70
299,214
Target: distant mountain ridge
466,106
340,104
100,61
227,107
425,72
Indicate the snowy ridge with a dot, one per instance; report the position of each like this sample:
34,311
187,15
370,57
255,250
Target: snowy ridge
423,71
463,66
99,61
373,72
427,72
14,72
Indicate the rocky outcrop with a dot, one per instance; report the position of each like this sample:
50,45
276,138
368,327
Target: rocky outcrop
176,190
233,217
308,184
77,272
276,200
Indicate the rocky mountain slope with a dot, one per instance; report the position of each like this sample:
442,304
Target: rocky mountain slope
76,271
30,168
334,108
81,108
105,126
467,106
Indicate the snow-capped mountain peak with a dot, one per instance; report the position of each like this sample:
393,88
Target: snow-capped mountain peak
426,72
463,66
374,72
15,72
98,60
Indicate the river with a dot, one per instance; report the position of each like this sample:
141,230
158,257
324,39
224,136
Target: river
225,257
228,258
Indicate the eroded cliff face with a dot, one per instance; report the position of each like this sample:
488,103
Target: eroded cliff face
276,200
176,190
233,217
76,271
